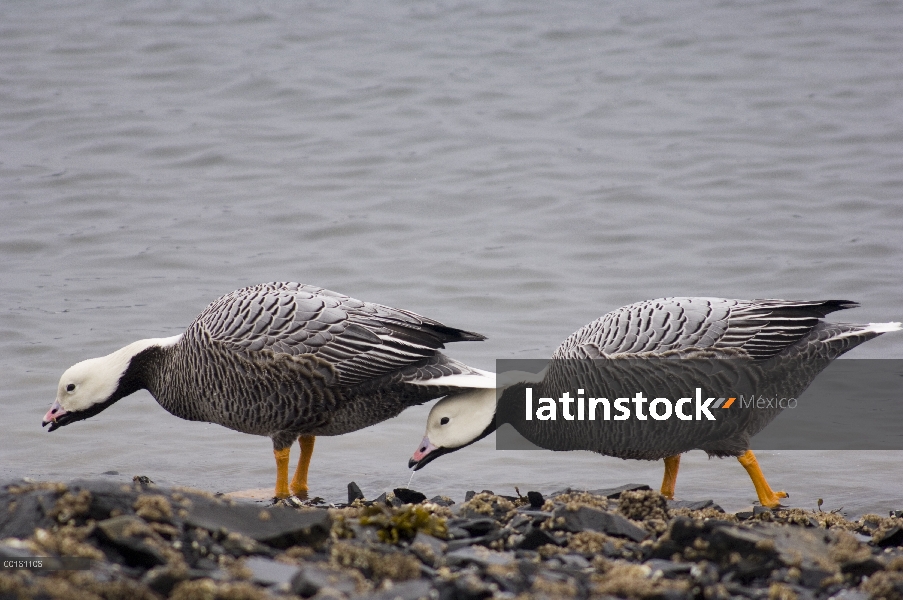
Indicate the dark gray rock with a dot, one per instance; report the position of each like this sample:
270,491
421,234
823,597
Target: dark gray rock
536,537
850,594
354,493
427,548
891,537
751,512
363,532
574,561
587,518
735,539
469,587
468,495
802,547
470,541
616,492
409,496
266,571
277,527
693,504
812,577
415,589
668,568
861,568
478,555
861,537
442,500
535,515
162,579
683,532
133,549
536,499
456,533
520,523
475,527
21,513
238,545
311,578
509,581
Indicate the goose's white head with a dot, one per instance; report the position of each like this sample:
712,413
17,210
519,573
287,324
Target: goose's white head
455,422
93,385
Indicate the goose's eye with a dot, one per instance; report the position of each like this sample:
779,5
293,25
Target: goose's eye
70,387
443,421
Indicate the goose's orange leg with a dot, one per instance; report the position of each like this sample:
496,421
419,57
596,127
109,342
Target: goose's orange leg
669,481
299,481
767,497
282,472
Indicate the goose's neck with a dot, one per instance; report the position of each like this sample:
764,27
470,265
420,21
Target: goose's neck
145,365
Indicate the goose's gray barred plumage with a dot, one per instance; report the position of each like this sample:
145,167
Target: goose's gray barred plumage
783,344
756,328
284,360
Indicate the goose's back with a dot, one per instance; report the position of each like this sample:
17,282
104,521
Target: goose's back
292,357
755,328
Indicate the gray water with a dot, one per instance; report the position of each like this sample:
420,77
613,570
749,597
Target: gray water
512,168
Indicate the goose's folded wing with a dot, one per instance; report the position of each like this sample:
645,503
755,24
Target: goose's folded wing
758,328
360,340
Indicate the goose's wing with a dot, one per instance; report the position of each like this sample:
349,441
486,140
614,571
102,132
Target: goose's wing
760,328
361,340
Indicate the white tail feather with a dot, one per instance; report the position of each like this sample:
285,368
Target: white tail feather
878,328
481,379
884,327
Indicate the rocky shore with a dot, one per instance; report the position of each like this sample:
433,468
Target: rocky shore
137,541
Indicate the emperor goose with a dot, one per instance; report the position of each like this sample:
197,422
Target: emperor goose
785,344
285,360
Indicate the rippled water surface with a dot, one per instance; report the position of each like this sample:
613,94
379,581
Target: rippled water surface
512,168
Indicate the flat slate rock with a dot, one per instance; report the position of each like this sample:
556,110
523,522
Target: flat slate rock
616,492
480,556
606,492
475,527
586,518
574,561
427,547
415,589
267,571
694,504
668,568
278,527
311,578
